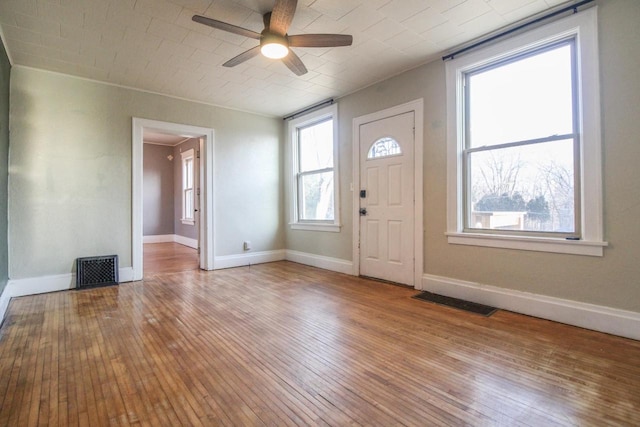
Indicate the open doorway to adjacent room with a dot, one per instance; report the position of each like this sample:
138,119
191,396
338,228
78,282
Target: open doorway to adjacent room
172,219
170,202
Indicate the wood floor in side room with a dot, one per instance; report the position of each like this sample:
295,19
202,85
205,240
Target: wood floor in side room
285,344
168,258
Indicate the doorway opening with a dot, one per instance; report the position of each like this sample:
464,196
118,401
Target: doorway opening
170,203
181,232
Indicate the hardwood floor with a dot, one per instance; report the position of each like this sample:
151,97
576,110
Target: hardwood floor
160,258
285,344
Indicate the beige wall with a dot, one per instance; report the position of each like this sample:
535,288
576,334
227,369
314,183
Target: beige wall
613,280
70,171
70,176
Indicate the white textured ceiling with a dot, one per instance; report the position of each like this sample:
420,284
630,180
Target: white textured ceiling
153,44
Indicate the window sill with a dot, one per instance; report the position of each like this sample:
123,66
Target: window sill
539,244
188,221
333,228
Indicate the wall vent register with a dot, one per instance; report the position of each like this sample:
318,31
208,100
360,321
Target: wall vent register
96,271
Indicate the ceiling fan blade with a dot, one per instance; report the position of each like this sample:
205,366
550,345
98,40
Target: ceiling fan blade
282,15
320,40
294,63
244,56
226,27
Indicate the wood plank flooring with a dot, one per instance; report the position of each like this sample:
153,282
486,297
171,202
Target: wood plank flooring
160,258
285,344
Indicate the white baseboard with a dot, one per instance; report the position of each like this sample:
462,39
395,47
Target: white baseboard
590,316
171,238
125,274
229,261
4,303
44,284
192,243
41,285
320,261
159,238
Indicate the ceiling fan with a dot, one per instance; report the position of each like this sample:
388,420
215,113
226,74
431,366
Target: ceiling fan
275,43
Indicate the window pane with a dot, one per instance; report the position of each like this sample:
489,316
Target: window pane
316,146
529,187
188,173
316,193
384,147
526,99
188,204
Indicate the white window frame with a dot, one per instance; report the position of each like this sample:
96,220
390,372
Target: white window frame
583,27
186,156
295,222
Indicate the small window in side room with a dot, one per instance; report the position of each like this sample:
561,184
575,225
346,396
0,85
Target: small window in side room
188,192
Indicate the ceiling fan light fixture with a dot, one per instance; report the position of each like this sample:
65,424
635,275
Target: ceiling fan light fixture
274,38
274,46
274,50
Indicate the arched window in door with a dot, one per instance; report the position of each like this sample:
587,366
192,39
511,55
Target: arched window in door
384,147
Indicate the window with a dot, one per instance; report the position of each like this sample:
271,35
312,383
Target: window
520,144
314,172
384,147
524,142
188,198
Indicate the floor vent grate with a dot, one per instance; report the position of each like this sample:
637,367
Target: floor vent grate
469,306
97,271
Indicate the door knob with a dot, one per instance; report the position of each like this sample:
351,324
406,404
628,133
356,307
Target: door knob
363,211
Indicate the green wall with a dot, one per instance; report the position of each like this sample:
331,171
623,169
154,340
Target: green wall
612,280
70,171
5,73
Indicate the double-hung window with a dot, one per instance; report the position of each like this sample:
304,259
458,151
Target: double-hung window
521,144
188,193
314,171
524,142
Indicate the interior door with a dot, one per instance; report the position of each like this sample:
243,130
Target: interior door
196,198
387,198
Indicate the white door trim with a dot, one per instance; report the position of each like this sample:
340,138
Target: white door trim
416,106
207,188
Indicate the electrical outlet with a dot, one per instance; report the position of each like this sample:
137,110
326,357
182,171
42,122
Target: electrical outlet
247,245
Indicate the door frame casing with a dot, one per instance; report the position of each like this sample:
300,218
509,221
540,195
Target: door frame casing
206,182
417,107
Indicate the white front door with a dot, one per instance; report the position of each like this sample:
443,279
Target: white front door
387,198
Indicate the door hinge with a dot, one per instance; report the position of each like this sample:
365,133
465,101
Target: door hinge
198,191
198,154
198,250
